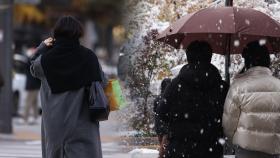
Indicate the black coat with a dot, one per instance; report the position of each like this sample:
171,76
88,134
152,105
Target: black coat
69,66
192,106
160,126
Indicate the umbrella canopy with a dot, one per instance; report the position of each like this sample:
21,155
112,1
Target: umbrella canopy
227,29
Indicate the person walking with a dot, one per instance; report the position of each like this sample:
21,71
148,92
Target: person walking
160,126
192,106
252,107
65,68
32,89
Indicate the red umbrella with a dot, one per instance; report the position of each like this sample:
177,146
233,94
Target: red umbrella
216,25
227,29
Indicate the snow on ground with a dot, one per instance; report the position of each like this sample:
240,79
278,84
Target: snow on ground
144,153
149,153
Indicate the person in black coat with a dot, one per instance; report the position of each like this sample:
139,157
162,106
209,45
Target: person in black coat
160,126
192,106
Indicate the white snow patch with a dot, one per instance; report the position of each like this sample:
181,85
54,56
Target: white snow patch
144,153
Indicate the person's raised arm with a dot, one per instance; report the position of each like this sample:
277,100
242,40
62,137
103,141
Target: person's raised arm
36,68
42,48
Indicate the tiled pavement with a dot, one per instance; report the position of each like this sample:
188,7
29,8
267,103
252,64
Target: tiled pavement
32,149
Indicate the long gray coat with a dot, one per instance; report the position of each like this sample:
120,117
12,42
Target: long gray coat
67,131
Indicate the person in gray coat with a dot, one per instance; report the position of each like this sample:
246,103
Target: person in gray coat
65,68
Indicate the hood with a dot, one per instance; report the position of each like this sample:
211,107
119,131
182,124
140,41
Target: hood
200,76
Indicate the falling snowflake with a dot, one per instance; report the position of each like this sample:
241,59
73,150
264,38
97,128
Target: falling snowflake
236,43
222,141
247,22
201,131
186,115
210,149
262,42
179,87
220,21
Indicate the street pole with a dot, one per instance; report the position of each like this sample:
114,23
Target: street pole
6,29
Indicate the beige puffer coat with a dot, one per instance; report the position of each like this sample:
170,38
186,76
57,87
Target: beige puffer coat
251,116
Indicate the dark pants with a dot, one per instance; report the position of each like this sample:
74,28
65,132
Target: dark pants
193,149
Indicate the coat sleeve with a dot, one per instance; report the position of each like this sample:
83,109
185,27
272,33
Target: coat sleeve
231,113
36,68
163,109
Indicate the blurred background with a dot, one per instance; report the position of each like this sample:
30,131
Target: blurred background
25,23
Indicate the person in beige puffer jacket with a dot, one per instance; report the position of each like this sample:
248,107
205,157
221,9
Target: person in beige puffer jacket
251,118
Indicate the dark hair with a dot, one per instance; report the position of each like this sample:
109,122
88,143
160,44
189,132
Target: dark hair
256,55
165,82
199,51
68,27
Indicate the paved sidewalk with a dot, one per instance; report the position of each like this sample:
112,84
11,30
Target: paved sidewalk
25,141
32,149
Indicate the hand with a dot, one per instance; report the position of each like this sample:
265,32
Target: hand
165,141
49,41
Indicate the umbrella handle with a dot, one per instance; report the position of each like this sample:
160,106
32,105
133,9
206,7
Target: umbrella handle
227,58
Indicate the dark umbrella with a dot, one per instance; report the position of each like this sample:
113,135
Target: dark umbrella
227,29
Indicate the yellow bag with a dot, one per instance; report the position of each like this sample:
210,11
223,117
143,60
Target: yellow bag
115,96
